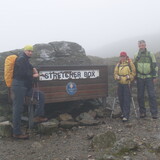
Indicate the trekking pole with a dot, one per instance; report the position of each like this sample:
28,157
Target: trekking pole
30,109
114,102
135,111
113,106
37,90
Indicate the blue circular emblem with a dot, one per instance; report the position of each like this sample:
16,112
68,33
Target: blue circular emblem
71,88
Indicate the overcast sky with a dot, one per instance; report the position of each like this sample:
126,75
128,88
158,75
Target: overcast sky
90,23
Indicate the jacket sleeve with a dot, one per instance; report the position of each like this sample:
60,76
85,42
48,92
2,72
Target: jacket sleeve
154,66
116,72
133,71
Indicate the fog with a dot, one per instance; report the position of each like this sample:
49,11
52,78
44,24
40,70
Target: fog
90,23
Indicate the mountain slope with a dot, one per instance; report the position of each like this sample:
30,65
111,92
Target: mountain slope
129,45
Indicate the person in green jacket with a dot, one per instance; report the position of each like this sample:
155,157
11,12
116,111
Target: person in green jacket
147,71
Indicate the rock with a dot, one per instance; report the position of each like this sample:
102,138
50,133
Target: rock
65,117
48,128
60,53
86,119
123,146
68,124
85,122
127,158
104,140
101,112
108,157
2,118
156,147
36,145
90,135
92,113
5,129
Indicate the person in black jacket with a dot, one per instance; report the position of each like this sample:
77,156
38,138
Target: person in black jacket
23,76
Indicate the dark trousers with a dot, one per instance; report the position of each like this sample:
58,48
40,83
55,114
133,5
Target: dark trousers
124,96
141,85
19,91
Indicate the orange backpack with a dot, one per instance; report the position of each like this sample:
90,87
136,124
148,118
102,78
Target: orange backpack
8,69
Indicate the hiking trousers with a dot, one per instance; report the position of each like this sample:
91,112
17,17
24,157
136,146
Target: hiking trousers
18,97
19,92
124,97
141,85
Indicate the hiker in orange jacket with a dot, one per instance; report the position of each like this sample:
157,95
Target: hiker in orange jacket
124,74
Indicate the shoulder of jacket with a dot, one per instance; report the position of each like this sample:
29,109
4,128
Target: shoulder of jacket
136,54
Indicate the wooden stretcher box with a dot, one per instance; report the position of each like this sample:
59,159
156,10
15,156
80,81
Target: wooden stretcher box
70,83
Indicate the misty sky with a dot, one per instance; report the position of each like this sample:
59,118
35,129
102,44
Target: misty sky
90,23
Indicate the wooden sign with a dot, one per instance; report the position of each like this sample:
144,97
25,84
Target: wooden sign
69,83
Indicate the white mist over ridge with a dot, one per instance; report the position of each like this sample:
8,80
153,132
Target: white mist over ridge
128,45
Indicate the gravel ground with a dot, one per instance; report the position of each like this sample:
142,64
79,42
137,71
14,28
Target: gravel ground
73,144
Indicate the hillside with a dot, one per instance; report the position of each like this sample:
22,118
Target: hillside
129,45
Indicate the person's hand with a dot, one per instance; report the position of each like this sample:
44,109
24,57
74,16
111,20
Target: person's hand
35,75
118,77
128,77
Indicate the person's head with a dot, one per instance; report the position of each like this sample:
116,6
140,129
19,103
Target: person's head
123,56
142,45
28,50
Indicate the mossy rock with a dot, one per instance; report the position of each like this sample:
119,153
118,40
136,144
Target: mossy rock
104,140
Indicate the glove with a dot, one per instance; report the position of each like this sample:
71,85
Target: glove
128,77
118,77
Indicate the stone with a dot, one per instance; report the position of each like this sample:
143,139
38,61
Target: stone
65,117
2,118
90,135
108,157
104,140
68,124
5,129
48,128
127,158
123,146
86,119
101,112
36,145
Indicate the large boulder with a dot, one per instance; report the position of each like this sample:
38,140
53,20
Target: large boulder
54,53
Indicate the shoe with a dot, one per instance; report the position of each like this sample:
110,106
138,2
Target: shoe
121,116
142,115
124,119
40,119
155,117
21,136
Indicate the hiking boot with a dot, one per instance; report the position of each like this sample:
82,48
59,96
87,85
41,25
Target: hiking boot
121,116
154,117
124,119
40,119
142,115
21,136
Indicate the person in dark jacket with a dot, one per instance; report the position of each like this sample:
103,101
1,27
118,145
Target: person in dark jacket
21,87
147,72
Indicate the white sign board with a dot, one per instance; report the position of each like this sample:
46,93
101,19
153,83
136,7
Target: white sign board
68,74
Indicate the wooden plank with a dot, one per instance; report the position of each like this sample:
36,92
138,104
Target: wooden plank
79,87
79,93
52,100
